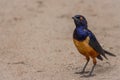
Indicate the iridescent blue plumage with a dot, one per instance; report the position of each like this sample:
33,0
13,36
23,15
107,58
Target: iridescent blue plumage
87,43
80,33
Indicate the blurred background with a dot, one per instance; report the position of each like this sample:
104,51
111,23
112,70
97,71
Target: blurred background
36,38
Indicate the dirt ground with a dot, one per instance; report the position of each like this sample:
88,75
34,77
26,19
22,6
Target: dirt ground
36,39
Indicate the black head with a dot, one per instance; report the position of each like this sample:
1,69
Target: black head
80,20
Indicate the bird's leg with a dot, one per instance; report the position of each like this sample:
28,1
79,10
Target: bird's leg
94,62
83,71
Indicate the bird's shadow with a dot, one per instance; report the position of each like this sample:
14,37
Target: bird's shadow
82,72
104,69
85,74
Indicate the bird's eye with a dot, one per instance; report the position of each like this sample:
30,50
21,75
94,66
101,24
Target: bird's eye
81,18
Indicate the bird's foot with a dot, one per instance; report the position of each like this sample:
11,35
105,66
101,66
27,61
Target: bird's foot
87,76
82,72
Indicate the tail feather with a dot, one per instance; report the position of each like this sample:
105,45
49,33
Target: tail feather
99,57
111,54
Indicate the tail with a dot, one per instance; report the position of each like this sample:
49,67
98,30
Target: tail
111,54
99,57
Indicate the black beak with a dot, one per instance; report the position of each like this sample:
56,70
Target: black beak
74,18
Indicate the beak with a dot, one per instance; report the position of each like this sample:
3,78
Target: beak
73,18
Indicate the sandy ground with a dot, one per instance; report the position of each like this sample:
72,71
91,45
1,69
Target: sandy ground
36,39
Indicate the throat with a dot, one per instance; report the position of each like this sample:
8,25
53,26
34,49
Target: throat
80,34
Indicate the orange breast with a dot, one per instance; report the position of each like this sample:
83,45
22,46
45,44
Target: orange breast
84,48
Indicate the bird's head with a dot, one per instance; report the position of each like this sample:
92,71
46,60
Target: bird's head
79,21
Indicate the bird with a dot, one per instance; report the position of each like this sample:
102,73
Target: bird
87,43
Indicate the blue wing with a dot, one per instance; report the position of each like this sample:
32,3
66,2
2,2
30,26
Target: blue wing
95,45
